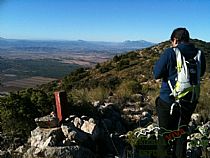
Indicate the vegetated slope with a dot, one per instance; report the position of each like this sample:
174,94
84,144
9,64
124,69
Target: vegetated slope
135,65
134,69
124,75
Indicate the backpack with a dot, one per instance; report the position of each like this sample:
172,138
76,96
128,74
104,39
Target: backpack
188,76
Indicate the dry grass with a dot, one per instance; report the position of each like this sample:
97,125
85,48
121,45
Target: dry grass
204,101
98,94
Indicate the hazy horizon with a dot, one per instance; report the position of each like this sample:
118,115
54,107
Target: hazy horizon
67,40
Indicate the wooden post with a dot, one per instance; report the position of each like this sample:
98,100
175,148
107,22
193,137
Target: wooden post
61,105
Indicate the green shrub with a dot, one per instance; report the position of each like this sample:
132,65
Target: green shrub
116,58
132,55
80,95
106,68
127,88
18,111
17,114
97,66
81,103
123,64
98,94
111,82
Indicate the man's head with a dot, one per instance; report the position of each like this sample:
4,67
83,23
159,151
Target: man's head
180,35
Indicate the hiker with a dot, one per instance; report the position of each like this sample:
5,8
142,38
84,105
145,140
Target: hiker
174,105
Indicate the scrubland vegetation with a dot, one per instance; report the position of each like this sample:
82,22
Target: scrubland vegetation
121,77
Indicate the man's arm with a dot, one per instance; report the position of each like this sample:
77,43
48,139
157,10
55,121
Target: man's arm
160,68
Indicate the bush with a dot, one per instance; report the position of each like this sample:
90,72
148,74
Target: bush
127,88
132,55
18,111
74,79
80,103
17,114
80,95
98,94
106,68
123,64
111,82
116,58
97,66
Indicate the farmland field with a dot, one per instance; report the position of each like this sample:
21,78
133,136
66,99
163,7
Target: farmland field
27,63
24,83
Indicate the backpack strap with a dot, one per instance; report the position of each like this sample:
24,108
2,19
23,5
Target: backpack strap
180,60
173,92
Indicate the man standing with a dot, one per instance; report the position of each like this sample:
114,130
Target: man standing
166,68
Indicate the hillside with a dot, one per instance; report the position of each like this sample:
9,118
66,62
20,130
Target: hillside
125,75
135,65
126,80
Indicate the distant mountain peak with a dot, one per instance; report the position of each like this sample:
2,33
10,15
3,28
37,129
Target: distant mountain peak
81,40
141,41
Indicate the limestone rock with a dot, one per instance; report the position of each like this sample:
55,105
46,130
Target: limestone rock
41,137
77,122
5,154
196,117
74,133
88,127
49,121
59,152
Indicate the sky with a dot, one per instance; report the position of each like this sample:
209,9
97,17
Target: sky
103,20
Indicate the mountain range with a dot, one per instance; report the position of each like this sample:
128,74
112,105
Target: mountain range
79,45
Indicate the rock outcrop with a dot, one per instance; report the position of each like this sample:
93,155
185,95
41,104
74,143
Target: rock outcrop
107,135
78,136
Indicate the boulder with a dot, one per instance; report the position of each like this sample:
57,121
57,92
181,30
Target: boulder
88,127
41,137
5,154
74,133
62,152
49,121
91,128
146,119
77,122
196,118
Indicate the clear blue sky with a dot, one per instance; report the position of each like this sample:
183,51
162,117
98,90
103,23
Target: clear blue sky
103,20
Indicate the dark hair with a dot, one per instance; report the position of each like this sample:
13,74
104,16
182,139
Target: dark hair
181,34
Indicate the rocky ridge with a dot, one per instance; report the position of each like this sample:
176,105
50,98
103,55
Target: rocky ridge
108,135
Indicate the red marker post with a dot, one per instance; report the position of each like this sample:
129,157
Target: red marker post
61,105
